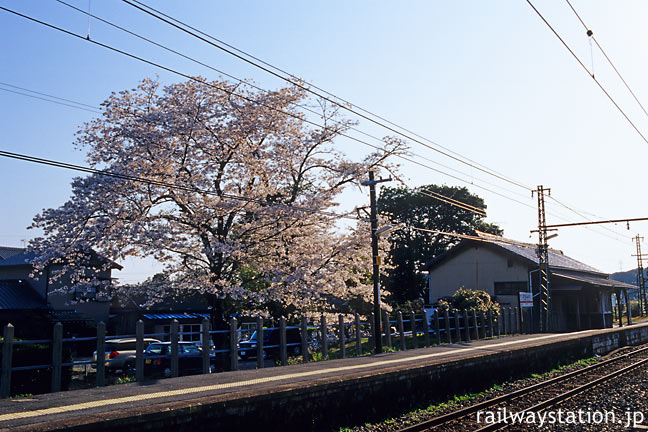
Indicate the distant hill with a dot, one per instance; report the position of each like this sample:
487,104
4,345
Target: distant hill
629,276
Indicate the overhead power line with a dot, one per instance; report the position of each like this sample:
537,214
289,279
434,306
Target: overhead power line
437,196
71,105
49,95
485,237
590,33
597,222
168,20
296,81
251,100
249,84
598,83
172,186
589,219
243,97
453,202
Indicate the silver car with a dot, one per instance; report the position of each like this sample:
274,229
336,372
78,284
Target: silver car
120,354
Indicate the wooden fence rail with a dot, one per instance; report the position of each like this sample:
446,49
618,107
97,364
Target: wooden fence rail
344,337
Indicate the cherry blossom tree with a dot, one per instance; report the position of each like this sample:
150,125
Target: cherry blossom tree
230,188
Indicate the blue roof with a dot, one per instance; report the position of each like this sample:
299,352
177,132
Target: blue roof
23,258
6,252
183,315
26,258
18,295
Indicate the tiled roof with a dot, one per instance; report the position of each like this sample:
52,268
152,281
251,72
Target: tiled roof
26,258
523,251
176,315
22,258
6,252
556,258
18,295
593,280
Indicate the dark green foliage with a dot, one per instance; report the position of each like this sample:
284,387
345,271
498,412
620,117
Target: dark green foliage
410,248
469,299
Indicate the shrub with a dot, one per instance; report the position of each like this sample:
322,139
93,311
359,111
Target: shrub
468,299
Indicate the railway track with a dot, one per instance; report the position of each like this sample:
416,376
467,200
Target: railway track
534,398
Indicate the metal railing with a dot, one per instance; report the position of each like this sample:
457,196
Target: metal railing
317,340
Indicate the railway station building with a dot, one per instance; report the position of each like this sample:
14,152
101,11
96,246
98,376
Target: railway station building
581,296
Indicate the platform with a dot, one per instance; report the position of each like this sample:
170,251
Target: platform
316,395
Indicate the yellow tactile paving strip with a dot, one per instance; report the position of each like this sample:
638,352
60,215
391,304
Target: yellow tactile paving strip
180,392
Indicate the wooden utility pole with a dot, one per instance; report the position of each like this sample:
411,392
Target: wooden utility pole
376,258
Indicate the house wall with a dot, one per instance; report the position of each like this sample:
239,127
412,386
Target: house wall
67,300
59,301
476,268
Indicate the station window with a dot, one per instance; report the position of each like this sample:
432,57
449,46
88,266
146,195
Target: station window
510,288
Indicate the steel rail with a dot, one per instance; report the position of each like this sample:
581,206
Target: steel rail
463,412
568,394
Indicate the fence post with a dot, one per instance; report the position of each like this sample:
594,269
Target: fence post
490,323
387,325
413,326
324,336
283,352
233,349
517,322
372,326
446,318
498,327
401,330
304,339
358,335
174,348
482,321
7,354
259,342
474,317
206,346
101,354
139,351
341,336
466,321
57,356
504,323
437,327
426,329
456,325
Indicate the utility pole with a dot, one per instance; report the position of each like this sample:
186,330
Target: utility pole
641,283
543,261
375,257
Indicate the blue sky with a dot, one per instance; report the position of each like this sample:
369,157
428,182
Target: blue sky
485,79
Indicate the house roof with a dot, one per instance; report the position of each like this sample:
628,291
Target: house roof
24,257
6,252
21,258
18,295
592,280
176,315
524,252
557,260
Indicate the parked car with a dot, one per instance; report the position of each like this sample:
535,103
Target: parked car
157,359
120,354
271,340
